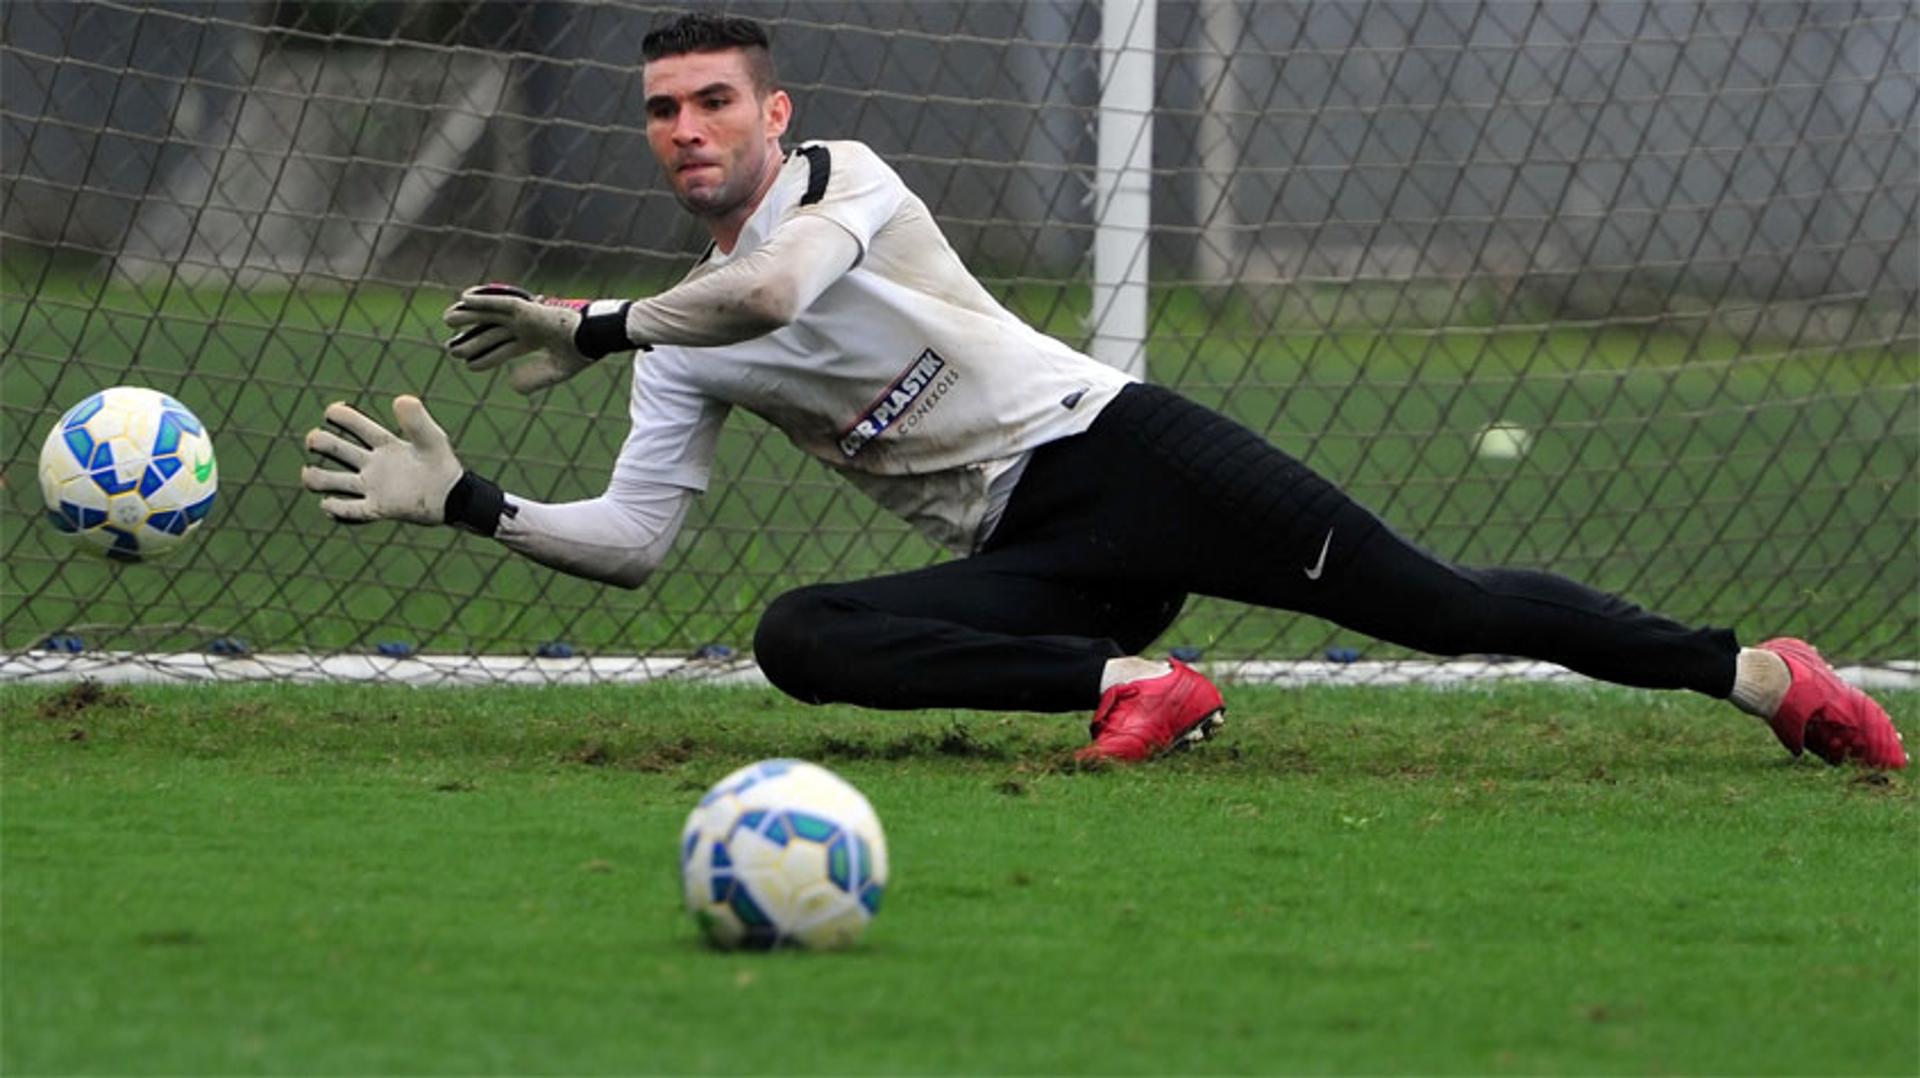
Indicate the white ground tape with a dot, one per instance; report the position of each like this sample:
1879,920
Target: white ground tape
471,670
421,670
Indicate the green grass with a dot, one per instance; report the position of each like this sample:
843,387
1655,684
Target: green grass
1533,880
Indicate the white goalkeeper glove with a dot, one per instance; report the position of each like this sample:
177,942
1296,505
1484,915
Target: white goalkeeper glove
412,476
501,322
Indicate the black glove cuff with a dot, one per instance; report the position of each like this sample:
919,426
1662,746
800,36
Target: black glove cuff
476,504
603,329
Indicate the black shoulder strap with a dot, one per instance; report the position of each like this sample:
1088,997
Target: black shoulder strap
819,167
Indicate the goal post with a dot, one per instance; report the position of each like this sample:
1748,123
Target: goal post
1123,195
1627,291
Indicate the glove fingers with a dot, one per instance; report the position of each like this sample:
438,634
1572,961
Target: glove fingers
358,424
486,347
337,449
495,288
417,426
329,481
474,308
495,309
478,344
462,315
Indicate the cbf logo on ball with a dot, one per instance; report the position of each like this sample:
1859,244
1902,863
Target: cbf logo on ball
897,401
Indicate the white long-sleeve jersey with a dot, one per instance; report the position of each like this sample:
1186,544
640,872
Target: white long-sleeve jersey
844,318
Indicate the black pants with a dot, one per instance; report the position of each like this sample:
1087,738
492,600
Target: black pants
1108,532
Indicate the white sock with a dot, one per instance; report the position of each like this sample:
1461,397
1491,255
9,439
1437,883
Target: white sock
1131,668
1760,682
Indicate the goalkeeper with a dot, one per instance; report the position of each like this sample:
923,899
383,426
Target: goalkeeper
1085,506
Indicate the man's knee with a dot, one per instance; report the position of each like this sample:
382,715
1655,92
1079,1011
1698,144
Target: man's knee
788,643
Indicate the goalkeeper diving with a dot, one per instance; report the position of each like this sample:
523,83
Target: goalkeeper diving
1083,506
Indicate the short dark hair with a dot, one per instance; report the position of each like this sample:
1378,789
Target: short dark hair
698,31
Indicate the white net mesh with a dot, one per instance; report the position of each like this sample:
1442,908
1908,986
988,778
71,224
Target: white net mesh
1672,245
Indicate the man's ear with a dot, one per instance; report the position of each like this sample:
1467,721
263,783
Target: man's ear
779,113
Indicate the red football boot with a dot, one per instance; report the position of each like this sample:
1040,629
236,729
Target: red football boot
1834,719
1139,720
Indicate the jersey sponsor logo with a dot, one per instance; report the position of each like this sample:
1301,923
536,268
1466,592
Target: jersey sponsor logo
899,398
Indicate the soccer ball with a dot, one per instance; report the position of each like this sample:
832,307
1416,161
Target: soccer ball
1502,441
128,473
783,853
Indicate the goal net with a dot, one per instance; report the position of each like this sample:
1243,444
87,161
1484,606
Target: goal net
1626,291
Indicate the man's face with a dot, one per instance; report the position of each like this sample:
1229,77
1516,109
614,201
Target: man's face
712,134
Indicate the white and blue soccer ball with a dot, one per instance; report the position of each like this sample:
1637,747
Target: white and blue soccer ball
783,853
128,473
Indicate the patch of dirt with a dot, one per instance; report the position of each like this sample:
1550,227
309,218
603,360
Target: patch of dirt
663,757
597,752
591,753
957,740
954,741
79,697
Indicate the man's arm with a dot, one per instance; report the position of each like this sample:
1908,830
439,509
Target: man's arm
414,476
748,298
753,296
619,538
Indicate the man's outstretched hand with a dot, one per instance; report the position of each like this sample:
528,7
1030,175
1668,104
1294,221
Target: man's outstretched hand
502,322
382,475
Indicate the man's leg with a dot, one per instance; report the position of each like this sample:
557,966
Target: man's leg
1004,630
1240,519
1214,509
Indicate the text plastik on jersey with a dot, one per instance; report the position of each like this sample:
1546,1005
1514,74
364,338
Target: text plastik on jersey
894,403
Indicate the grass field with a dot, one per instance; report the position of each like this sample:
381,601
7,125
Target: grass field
1766,485
1533,880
